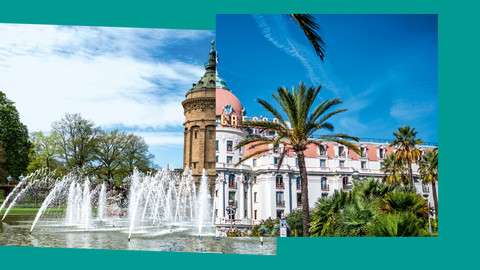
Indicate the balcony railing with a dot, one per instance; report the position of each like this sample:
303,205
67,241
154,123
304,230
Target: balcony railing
325,188
280,185
281,204
232,185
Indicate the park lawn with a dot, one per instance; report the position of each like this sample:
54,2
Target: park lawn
26,211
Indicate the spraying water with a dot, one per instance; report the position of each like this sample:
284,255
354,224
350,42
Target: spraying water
102,201
203,202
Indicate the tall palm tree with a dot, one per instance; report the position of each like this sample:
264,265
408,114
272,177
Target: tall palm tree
297,105
393,171
405,142
428,168
310,27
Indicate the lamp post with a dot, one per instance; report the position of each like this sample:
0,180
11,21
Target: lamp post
356,175
231,209
9,179
21,177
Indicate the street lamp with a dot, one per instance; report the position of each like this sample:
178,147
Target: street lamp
9,178
21,177
231,209
356,175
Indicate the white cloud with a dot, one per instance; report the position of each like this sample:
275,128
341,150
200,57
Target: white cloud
106,74
409,110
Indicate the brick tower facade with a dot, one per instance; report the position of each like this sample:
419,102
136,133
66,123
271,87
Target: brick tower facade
199,110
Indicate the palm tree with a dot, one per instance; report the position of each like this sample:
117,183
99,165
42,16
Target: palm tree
310,27
393,171
297,104
428,168
405,142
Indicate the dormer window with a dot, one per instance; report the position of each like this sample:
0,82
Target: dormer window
322,150
381,153
363,151
275,148
341,151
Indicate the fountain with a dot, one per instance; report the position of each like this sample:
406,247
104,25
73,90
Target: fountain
162,206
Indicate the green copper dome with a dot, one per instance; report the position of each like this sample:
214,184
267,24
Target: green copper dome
207,82
220,83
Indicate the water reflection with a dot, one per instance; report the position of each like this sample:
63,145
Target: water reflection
112,233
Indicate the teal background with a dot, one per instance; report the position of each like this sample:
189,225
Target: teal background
457,245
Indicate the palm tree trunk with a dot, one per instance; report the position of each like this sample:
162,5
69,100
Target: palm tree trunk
305,207
435,199
410,173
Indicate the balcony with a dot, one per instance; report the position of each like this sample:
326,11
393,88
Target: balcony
281,204
325,188
280,185
232,185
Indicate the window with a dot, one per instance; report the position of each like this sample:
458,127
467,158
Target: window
216,158
322,163
345,182
254,162
271,133
245,213
323,150
231,180
299,182
195,134
245,195
216,145
216,193
279,181
363,152
381,153
255,214
299,199
230,146
275,148
342,163
229,159
324,196
209,165
296,162
210,134
194,165
279,213
324,183
280,201
341,151
255,198
231,196
363,164
275,161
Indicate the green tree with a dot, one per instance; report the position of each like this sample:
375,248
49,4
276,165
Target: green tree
14,136
406,141
428,168
45,151
136,155
3,161
109,152
297,105
310,27
393,171
77,139
396,225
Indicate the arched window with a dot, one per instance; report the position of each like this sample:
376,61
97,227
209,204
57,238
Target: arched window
299,182
345,182
231,180
324,183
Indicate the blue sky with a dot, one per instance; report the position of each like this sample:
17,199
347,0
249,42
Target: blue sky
129,79
383,67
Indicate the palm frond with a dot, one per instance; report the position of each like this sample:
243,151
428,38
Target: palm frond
310,27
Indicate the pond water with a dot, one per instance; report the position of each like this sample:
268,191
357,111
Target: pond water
112,233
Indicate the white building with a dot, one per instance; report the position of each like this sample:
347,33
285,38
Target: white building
259,190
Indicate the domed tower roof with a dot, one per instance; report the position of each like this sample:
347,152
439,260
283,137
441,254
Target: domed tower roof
226,102
207,82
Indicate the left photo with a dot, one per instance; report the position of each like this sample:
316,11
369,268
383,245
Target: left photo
107,139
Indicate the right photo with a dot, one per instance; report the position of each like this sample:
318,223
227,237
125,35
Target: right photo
326,125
